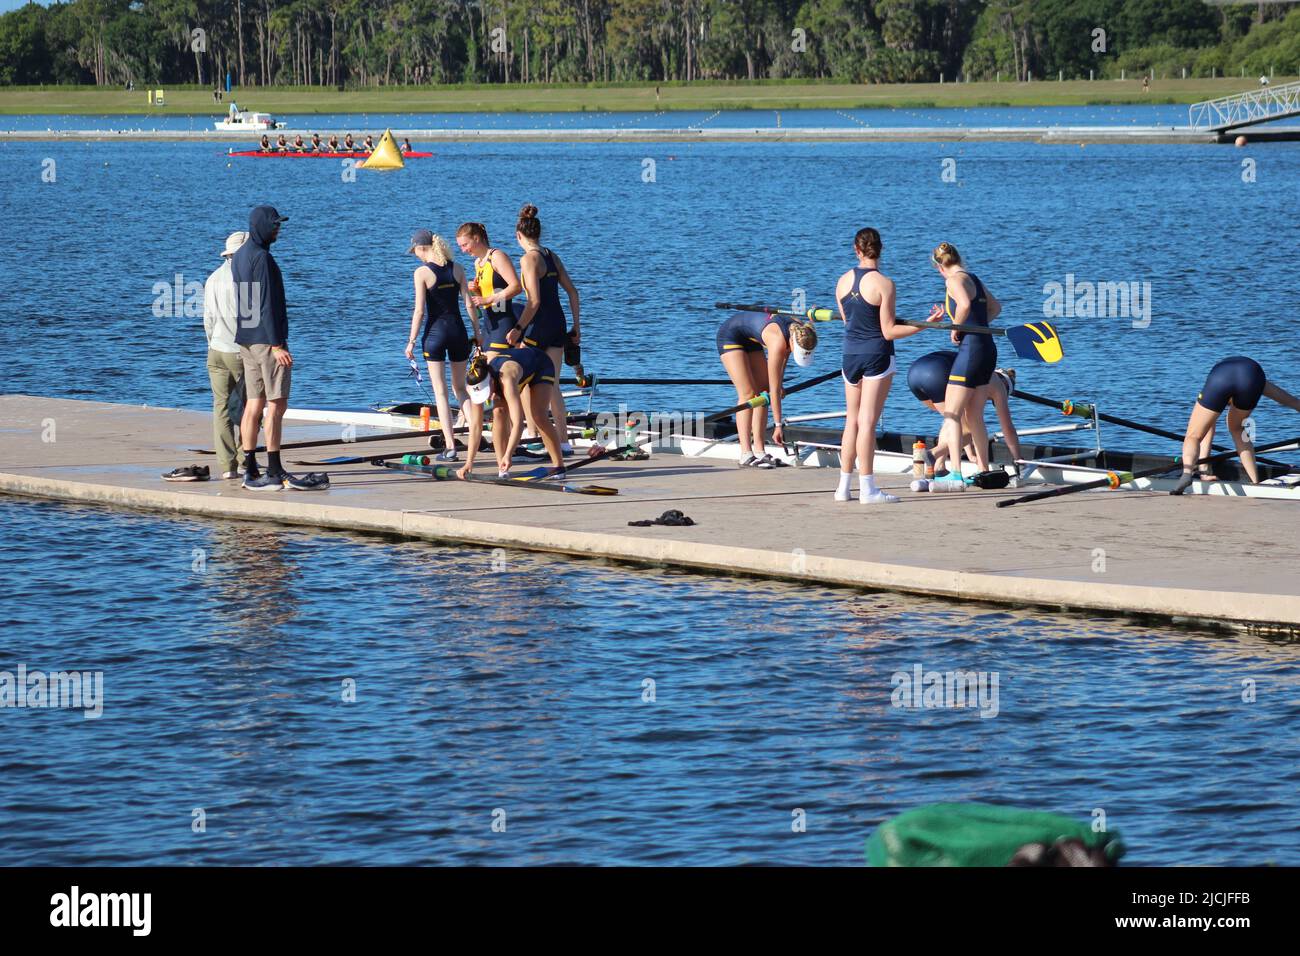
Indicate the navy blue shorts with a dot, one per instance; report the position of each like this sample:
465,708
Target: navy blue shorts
445,340
1239,380
976,359
867,365
928,377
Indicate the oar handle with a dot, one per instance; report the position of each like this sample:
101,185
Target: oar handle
977,329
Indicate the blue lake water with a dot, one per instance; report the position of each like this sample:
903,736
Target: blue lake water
770,697
523,692
1154,114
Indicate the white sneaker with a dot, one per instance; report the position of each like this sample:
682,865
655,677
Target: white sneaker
843,495
880,498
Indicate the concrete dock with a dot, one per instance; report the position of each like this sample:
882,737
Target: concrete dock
1216,559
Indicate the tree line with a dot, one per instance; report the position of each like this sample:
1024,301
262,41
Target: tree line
359,43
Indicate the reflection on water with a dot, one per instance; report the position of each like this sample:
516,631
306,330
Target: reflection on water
329,698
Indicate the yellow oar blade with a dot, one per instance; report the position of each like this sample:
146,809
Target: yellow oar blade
1037,341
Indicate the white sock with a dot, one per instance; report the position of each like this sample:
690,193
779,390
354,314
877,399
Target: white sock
846,479
866,485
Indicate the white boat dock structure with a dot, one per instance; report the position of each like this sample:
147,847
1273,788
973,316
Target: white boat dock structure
1203,559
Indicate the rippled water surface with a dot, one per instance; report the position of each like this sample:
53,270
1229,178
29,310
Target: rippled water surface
523,691
225,647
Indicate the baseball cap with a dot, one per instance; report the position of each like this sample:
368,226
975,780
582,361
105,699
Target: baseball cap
421,237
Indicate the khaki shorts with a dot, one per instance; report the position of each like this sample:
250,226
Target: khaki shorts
263,376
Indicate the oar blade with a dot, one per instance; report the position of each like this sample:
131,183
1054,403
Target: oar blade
1038,342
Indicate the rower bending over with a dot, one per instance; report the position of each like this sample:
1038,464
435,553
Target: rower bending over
741,341
438,284
866,300
519,383
1238,382
966,300
928,381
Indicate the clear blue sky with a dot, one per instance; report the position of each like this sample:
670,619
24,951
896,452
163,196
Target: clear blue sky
7,5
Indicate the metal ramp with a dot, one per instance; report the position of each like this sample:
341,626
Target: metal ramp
1244,109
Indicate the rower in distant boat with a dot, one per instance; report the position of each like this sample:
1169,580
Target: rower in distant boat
315,143
406,145
348,145
494,284
266,144
1238,382
741,340
866,300
334,143
519,383
282,144
928,381
369,145
440,285
298,144
541,324
966,300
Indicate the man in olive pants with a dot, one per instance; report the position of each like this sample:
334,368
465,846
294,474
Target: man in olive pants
225,367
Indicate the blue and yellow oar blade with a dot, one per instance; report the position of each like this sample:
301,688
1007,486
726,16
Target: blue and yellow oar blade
1037,341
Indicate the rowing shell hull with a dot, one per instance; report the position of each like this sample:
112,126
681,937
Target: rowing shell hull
291,154
449,473
810,446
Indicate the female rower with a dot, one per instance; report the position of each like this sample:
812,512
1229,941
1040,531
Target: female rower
406,145
741,340
438,283
1238,382
266,144
966,302
282,144
866,300
541,324
519,382
298,144
928,381
348,145
333,143
315,143
494,284
369,145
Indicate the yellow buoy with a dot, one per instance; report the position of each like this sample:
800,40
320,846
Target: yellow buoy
386,154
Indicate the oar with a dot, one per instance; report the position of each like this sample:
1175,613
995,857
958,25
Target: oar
543,473
1084,410
1115,479
375,459
762,398
1037,341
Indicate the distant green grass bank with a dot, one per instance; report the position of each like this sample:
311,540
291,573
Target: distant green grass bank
769,95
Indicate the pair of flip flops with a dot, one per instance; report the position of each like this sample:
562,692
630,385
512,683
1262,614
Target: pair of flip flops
188,473
672,518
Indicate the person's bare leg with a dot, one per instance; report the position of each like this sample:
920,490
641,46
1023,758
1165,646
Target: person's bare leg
1200,432
558,408
849,439
874,394
536,401
275,409
955,400
738,371
1245,448
758,422
1281,396
438,378
250,426
979,434
461,392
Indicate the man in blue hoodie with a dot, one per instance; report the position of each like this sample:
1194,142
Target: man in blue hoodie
263,340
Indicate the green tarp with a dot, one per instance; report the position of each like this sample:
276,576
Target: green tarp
976,834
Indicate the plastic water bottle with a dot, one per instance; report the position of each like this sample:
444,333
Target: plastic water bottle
918,459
